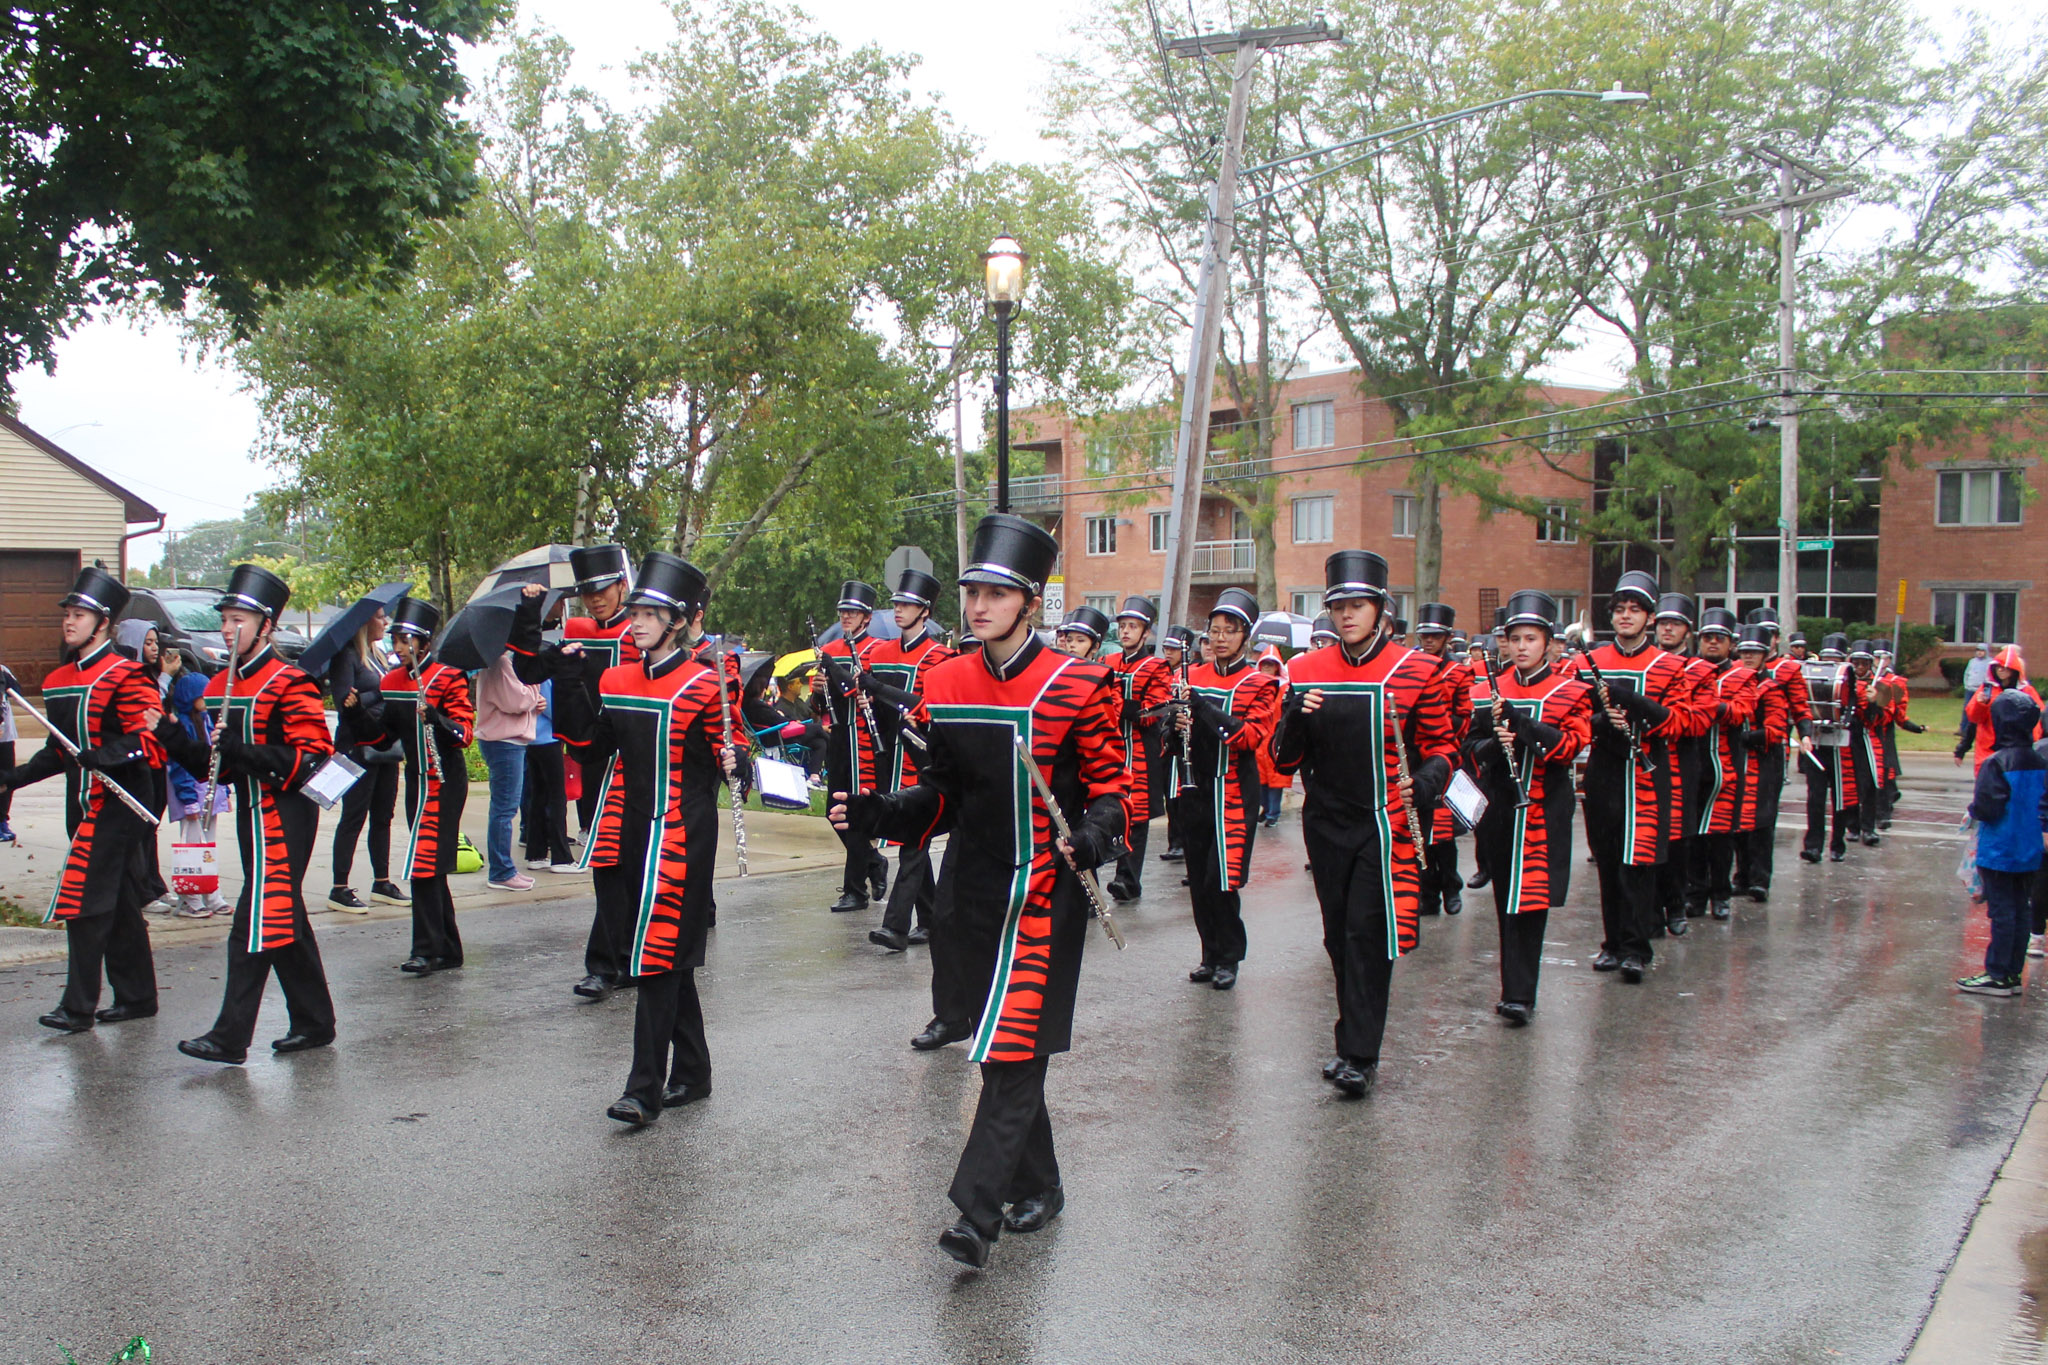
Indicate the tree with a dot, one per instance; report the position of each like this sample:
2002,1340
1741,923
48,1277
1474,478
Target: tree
239,148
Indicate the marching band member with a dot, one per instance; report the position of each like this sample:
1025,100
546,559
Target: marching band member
106,705
1355,714
1081,632
1867,741
1831,770
853,759
1145,680
1177,652
1442,884
1683,868
272,737
427,707
1008,901
1229,717
897,670
1788,685
1523,750
1729,710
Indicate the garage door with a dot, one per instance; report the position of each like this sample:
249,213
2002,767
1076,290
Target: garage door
31,581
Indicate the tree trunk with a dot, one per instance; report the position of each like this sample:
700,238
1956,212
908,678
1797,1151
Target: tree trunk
1429,536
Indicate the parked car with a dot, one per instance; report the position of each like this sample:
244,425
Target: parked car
186,620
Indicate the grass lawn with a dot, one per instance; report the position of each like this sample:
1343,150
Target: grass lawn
13,915
1941,715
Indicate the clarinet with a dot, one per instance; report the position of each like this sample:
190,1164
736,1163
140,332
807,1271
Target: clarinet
1401,761
1181,692
220,730
732,781
1635,743
430,744
1514,771
865,710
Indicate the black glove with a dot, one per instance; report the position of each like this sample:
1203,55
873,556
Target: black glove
435,717
115,753
863,814
1091,848
1755,739
1912,727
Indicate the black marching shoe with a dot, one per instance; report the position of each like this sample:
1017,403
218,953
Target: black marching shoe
1355,1078
1223,978
592,988
301,1042
421,966
1632,969
1173,854
1677,926
1029,1215
1454,904
1870,841
1330,1067
206,1050
1809,855
1121,891
889,939
121,1014
1478,879
1695,909
1604,961
920,934
849,900
64,1021
626,1109
1722,910
1837,855
967,1244
938,1033
1515,1012
1757,892
878,883
1204,972
679,1093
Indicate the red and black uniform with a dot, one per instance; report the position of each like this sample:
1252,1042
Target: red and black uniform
97,700
1684,865
1629,792
1145,684
1836,777
657,729
1442,884
432,707
895,681
1009,910
1729,809
1528,844
1894,714
1235,709
1788,685
276,739
1354,822
853,757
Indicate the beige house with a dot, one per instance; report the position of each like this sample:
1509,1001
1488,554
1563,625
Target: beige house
57,514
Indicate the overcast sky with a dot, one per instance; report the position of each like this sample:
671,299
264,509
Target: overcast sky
131,404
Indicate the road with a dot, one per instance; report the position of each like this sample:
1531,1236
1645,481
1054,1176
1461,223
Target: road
1767,1152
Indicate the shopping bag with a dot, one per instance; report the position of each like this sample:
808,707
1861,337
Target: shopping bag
467,859
193,870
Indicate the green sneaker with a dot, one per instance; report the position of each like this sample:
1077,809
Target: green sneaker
1986,984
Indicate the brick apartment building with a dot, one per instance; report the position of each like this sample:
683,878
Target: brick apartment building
1951,524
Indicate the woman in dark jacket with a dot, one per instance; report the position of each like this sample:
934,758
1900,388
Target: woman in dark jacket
354,680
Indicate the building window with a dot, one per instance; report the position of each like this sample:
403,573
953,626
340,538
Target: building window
1102,535
1315,425
1559,524
1971,618
1158,522
1307,602
1315,520
1977,497
1567,610
1404,515
1104,602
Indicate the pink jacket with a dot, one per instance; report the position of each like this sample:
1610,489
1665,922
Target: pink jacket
505,706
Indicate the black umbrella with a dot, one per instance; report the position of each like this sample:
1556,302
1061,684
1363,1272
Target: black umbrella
476,637
342,629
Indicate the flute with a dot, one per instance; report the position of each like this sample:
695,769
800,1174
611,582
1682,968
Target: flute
1514,770
220,729
1063,831
732,781
64,741
1401,764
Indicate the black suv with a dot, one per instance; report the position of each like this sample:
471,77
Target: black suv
187,621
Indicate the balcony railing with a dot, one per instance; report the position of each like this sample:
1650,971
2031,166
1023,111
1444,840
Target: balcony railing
1038,493
1225,561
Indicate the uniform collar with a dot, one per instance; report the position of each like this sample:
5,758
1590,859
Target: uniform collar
256,661
615,621
666,666
91,657
916,637
1649,642
1017,662
1379,642
1542,671
1243,661
1143,651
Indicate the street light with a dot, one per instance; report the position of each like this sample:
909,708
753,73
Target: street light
1003,267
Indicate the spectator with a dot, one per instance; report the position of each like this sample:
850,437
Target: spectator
2012,789
505,710
2008,673
802,733
1975,671
547,794
355,680
1270,780
138,640
185,790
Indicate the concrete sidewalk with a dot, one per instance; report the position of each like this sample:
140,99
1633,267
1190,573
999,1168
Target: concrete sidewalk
776,843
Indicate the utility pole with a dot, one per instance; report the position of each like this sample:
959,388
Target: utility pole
1191,449
1799,186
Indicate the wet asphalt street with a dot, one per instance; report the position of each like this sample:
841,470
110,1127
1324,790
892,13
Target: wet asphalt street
1767,1152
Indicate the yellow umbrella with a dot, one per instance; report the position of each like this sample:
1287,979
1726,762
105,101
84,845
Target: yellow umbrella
791,663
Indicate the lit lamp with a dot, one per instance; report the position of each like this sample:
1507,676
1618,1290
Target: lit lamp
1003,264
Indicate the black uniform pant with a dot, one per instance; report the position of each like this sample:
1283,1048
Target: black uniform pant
1759,846
547,805
308,1006
1130,868
1173,823
1717,864
433,921
117,941
1521,949
1443,885
914,889
669,1047
1628,901
1675,880
373,800
608,950
1009,1154
1219,914
1819,797
1355,935
863,864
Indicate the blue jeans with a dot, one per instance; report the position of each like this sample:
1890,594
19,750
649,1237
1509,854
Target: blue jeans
507,762
2006,896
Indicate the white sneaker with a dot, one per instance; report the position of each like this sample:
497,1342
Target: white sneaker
518,881
2037,945
536,864
164,904
564,869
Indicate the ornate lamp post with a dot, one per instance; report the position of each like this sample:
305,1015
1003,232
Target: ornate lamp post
1003,264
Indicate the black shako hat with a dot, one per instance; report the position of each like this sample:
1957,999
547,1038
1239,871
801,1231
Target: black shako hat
1178,637
1088,621
1798,637
1239,603
667,580
413,616
597,566
1862,649
916,587
1325,629
254,588
1349,574
1676,606
1762,616
1756,635
1435,618
1637,585
97,590
1718,621
1139,609
1836,644
855,595
1399,627
1010,552
1532,608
